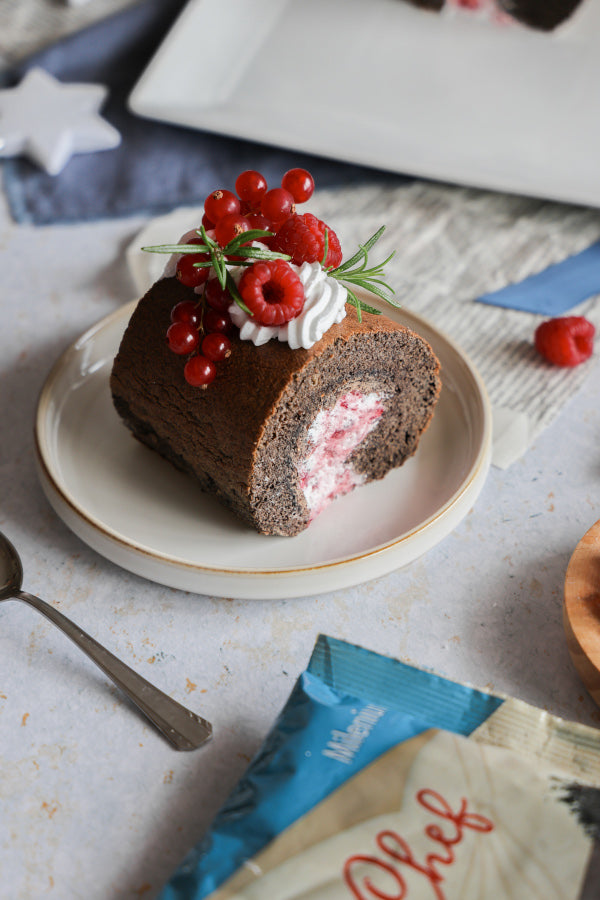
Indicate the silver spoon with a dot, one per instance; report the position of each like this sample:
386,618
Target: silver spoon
184,729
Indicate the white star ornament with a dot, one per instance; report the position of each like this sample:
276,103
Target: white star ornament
48,121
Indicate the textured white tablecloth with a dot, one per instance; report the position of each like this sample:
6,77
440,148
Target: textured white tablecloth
452,245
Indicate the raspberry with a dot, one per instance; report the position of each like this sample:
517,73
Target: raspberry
272,292
565,341
303,238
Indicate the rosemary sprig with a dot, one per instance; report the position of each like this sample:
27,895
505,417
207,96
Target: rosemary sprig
233,290
236,247
217,261
219,258
355,271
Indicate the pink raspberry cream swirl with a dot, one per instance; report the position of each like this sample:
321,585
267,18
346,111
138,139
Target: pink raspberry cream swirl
326,473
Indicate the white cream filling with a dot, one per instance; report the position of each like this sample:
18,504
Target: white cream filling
334,434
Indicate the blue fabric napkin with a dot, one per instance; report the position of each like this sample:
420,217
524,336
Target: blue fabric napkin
556,289
158,166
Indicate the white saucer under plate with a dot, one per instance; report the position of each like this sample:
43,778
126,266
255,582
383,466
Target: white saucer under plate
452,97
136,510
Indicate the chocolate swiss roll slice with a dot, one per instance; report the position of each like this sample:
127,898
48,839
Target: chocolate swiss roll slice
280,432
544,15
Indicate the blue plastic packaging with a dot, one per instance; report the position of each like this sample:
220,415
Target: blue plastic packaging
349,707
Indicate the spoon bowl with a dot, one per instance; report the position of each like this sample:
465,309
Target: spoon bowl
11,570
182,728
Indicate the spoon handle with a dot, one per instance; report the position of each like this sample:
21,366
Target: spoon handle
183,728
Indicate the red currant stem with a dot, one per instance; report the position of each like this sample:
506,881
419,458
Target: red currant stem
235,294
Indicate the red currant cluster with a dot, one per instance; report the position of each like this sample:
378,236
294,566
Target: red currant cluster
269,288
209,317
254,205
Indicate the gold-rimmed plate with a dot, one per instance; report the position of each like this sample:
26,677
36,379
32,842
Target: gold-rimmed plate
581,609
137,511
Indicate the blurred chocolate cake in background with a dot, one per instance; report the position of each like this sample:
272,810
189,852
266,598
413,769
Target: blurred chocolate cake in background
544,15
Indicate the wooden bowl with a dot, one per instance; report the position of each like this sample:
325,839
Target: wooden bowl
581,610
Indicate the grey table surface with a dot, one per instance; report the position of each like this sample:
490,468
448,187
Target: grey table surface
94,803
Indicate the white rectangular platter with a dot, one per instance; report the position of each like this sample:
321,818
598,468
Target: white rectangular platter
455,98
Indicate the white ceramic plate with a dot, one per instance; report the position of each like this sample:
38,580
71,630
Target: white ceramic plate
387,85
135,509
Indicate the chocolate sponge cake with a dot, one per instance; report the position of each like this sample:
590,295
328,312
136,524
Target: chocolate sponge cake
279,432
543,15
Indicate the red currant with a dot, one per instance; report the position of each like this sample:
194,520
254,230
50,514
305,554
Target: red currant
186,311
182,338
218,298
229,227
251,186
277,205
207,223
199,371
216,321
220,203
299,183
258,221
216,346
190,274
